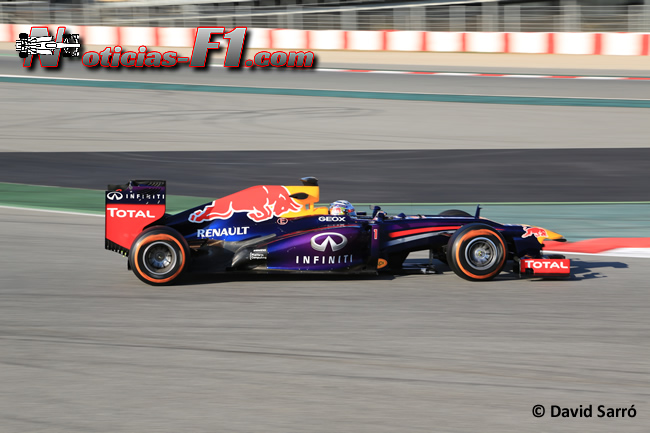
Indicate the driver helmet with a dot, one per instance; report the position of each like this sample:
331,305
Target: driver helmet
342,207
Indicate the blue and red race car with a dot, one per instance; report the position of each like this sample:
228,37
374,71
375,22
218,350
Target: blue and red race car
274,228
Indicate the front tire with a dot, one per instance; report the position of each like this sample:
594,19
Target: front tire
477,252
158,255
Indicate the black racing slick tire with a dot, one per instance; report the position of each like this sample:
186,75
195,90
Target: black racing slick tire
23,36
455,213
158,255
477,252
22,55
66,52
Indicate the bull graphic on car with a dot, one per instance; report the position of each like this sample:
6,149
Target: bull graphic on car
276,228
260,203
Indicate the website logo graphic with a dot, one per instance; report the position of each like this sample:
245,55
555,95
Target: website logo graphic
48,48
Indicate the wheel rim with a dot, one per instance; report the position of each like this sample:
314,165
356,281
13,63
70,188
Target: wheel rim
159,258
481,253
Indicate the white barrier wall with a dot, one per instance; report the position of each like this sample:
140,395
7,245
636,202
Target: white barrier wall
624,44
325,40
175,37
531,43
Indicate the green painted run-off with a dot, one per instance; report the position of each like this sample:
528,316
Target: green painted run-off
402,96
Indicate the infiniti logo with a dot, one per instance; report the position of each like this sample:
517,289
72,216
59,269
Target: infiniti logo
114,195
328,240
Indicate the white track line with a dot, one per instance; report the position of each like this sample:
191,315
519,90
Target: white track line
637,253
471,74
51,211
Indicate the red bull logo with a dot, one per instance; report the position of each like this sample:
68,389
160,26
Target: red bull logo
261,203
535,231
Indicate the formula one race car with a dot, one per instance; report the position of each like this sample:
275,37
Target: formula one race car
45,45
272,228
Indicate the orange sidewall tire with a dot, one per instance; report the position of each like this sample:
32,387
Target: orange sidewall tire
458,243
153,238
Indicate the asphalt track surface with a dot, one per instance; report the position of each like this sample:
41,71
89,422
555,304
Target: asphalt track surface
68,118
87,347
398,176
64,118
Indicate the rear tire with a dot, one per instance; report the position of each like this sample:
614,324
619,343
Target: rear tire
477,252
158,255
455,213
23,36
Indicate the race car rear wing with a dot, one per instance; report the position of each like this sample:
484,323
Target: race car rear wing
129,209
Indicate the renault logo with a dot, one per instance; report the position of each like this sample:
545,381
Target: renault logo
321,241
114,195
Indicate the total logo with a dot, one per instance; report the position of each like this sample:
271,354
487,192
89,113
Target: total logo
221,232
114,195
546,264
329,219
336,241
129,213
